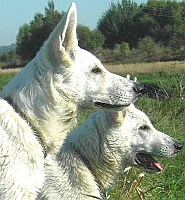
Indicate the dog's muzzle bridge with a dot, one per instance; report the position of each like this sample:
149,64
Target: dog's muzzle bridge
16,109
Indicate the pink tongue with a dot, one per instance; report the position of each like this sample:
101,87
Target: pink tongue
158,165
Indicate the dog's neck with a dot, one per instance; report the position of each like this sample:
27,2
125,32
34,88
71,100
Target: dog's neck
96,151
60,120
16,109
52,115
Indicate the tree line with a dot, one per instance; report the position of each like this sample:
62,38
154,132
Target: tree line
158,24
126,32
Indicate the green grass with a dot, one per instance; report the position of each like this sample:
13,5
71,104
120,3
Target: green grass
167,116
5,78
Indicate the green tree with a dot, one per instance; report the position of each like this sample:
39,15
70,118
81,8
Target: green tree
149,51
162,20
9,59
144,25
89,40
125,49
22,41
32,36
84,37
97,40
116,24
13,58
4,57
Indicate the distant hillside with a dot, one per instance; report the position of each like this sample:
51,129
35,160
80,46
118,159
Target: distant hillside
4,49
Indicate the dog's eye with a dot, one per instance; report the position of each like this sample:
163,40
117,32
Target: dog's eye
144,127
96,70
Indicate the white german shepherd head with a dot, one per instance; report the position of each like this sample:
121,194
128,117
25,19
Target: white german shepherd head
79,75
61,80
110,141
144,141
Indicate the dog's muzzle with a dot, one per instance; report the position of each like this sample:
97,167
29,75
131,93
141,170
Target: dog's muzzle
149,164
178,146
138,88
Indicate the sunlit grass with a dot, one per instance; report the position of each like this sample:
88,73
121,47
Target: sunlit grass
147,68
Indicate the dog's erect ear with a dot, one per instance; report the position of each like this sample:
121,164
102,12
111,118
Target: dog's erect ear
63,39
68,34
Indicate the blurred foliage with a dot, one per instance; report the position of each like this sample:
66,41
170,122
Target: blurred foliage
126,33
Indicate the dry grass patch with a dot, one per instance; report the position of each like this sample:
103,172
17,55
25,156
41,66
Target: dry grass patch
147,68
5,71
132,68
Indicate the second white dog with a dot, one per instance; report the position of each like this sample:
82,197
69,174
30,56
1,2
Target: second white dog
94,155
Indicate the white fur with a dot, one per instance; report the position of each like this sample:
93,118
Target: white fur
95,154
50,92
60,81
21,158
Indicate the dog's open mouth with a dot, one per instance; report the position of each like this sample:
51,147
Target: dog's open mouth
149,164
109,106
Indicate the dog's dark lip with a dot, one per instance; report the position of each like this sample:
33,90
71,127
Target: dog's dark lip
109,106
138,95
147,162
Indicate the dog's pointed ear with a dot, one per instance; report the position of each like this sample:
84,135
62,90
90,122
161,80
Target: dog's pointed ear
62,42
68,35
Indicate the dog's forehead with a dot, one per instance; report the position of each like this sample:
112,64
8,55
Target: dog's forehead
134,113
86,58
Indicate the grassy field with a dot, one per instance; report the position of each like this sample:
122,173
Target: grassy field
167,114
6,75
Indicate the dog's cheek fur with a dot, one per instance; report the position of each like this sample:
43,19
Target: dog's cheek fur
150,140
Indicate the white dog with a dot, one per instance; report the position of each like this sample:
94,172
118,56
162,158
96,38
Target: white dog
95,154
60,81
49,94
21,160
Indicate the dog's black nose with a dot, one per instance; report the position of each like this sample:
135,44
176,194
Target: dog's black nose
178,146
138,87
